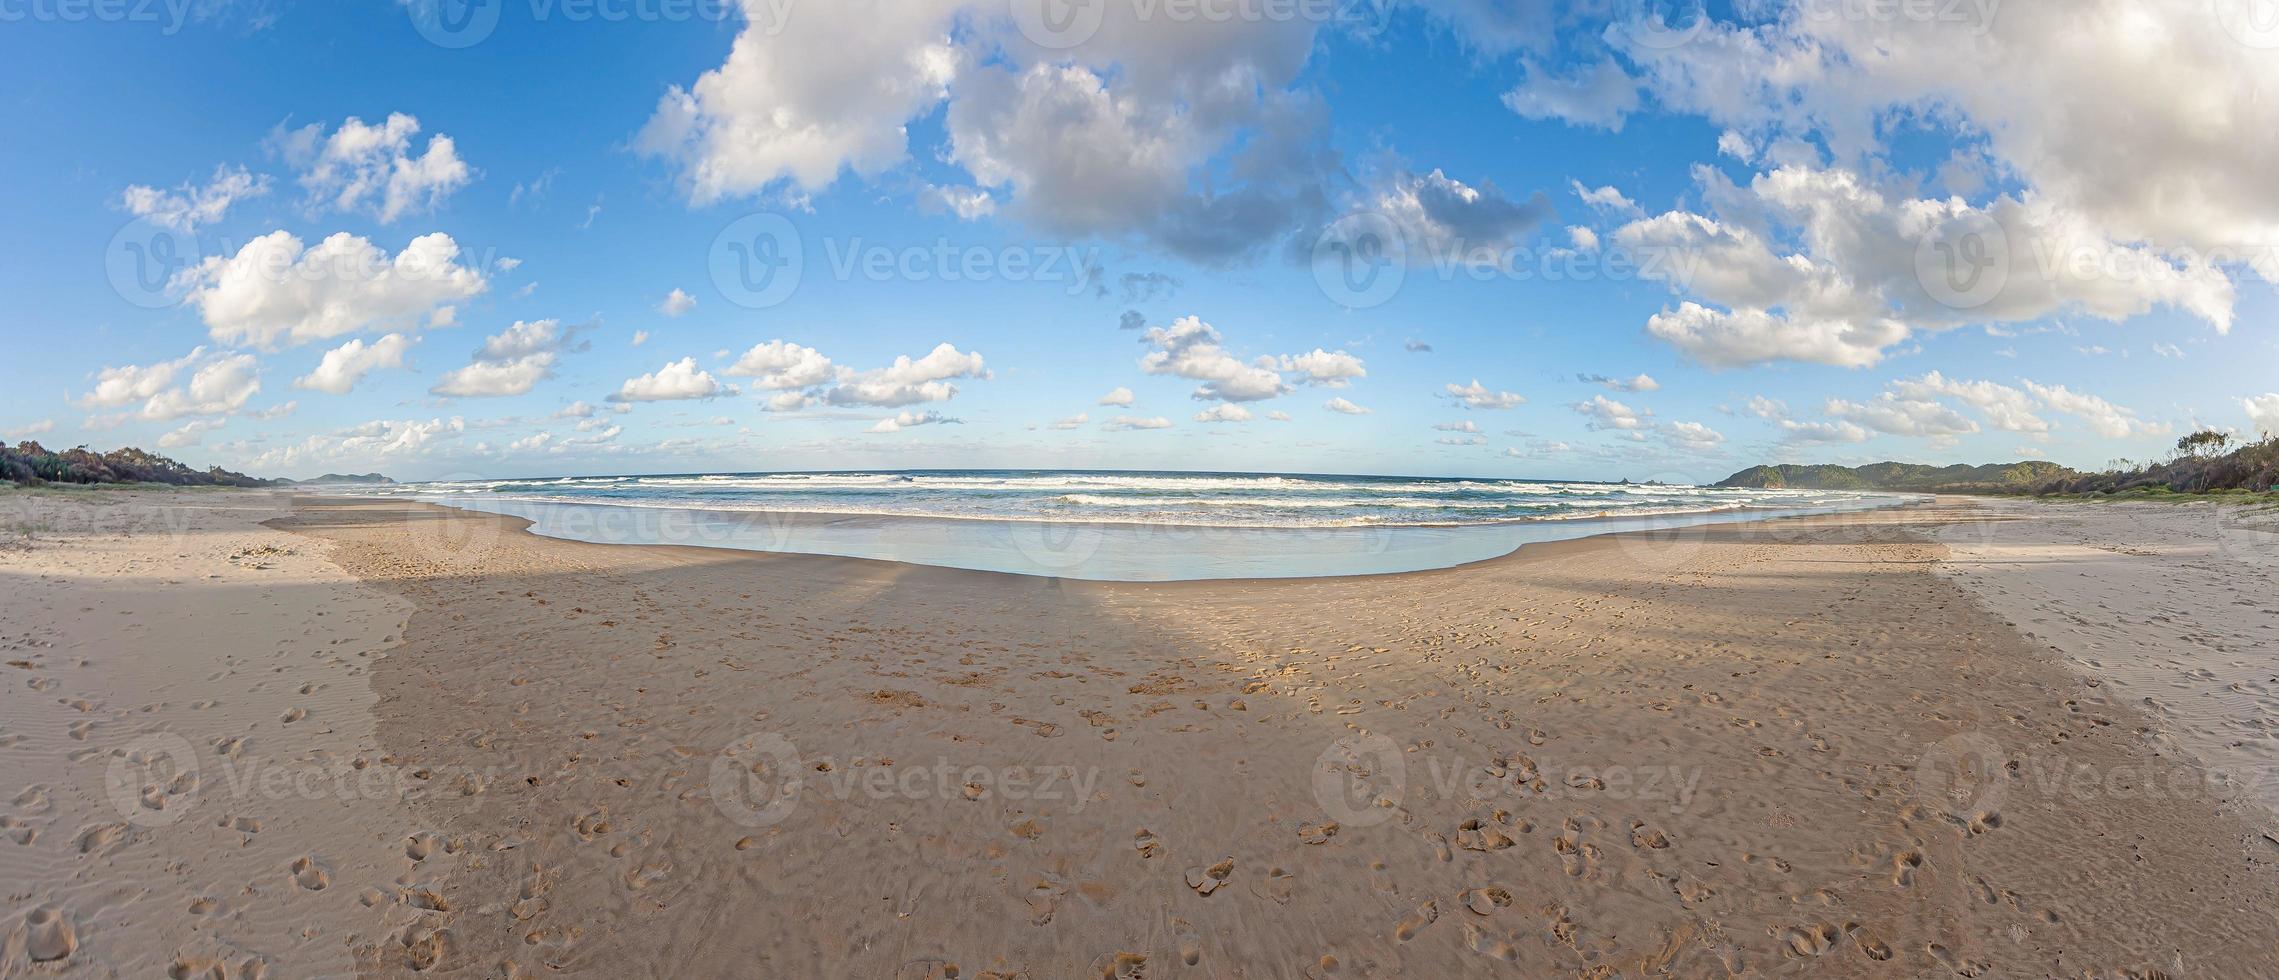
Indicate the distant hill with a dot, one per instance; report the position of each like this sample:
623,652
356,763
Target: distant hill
2013,477
30,462
331,479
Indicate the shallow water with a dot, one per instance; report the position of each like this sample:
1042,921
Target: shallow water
1107,551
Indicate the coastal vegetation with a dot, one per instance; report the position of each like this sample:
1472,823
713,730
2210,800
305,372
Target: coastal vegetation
2206,462
30,463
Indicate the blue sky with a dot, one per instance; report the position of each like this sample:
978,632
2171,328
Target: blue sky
504,219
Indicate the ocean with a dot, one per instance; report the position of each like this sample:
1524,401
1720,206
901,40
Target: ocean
1114,525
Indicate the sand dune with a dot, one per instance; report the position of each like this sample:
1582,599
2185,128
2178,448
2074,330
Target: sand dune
1789,748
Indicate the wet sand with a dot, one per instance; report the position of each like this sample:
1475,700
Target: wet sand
1781,748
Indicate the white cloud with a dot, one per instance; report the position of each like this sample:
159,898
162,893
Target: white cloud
511,362
380,438
640,337
903,420
1864,280
1073,421
1343,407
1462,440
1892,415
1224,412
191,433
1693,436
2105,418
1601,96
779,365
803,98
126,384
191,205
1120,397
1822,433
1127,423
219,385
348,363
1439,216
2146,117
1722,339
1190,348
1604,198
39,428
1607,413
1182,132
371,169
1639,383
1465,426
1278,415
275,293
575,410
790,401
2263,412
1476,395
1329,369
968,203
907,381
2004,407
676,303
678,380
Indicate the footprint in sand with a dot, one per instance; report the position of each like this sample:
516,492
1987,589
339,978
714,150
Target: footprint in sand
1903,867
1044,900
1279,884
1489,944
418,846
1190,941
1425,915
19,831
292,715
307,875
1207,880
48,934
1811,940
1317,833
1485,901
1120,966
92,839
1148,844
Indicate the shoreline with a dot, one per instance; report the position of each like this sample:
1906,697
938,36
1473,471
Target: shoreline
1094,550
1724,751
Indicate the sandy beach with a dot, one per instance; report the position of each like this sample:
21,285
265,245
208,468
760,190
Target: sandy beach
247,734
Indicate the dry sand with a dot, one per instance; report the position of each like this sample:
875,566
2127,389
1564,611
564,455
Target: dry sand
1789,748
